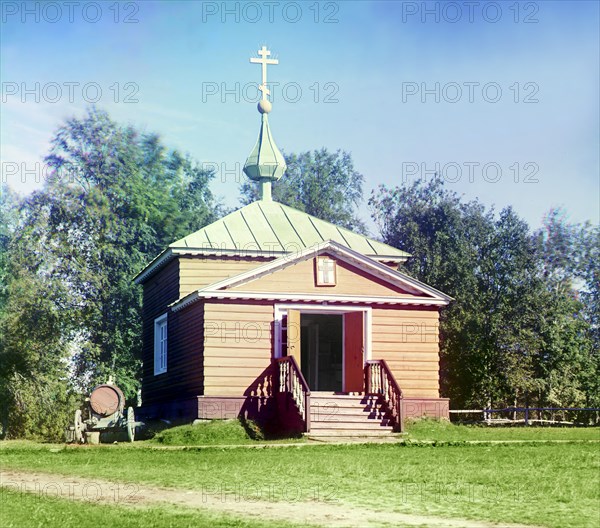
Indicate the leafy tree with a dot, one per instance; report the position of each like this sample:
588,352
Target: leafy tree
516,333
569,256
129,197
8,222
446,239
115,198
587,246
34,386
322,184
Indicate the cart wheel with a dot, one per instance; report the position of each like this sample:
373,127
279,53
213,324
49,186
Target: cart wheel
79,427
130,424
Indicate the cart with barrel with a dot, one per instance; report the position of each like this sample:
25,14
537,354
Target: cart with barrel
104,412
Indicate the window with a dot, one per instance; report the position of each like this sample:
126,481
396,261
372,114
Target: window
326,272
160,344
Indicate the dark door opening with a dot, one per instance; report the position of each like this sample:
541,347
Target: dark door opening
321,345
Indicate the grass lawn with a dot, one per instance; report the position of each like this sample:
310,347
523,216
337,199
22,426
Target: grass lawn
232,432
447,432
554,485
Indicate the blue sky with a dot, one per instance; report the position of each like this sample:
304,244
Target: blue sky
502,100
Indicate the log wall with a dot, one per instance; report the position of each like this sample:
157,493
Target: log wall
238,341
408,339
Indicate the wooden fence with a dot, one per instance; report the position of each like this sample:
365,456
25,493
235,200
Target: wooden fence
529,415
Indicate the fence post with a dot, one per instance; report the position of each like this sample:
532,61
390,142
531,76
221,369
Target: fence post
526,415
307,413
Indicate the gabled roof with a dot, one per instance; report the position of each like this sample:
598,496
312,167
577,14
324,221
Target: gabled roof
270,229
424,294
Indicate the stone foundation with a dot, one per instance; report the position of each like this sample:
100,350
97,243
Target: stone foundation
426,408
265,410
185,410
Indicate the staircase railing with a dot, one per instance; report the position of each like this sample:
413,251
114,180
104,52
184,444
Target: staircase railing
292,381
379,381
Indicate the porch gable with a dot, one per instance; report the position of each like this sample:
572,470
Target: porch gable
302,277
362,280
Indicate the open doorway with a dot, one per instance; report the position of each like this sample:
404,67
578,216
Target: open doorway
321,345
328,344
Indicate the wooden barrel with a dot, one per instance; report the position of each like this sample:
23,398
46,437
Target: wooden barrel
107,399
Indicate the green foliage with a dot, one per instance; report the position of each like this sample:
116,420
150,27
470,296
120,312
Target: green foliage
217,432
320,183
570,264
8,221
587,246
518,332
115,198
221,432
34,355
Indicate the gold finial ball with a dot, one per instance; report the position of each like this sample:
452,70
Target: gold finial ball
264,106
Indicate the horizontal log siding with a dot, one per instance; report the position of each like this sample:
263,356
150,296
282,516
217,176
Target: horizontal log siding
184,358
199,272
408,339
301,278
237,346
184,376
159,291
221,348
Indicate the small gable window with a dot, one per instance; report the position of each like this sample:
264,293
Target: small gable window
160,344
326,271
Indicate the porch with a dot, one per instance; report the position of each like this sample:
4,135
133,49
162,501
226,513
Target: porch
374,411
282,401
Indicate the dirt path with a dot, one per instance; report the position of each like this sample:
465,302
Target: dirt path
322,511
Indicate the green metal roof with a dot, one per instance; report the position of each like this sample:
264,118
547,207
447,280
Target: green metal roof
270,227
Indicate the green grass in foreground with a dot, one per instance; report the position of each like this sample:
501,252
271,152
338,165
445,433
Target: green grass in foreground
446,431
554,485
23,510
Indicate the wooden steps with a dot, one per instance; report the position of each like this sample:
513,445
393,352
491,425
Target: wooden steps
340,415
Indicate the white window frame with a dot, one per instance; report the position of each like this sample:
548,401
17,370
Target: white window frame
160,352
